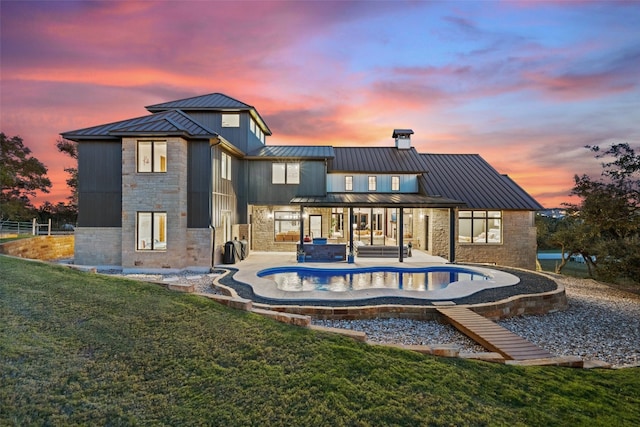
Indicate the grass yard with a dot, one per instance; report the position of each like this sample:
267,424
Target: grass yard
83,349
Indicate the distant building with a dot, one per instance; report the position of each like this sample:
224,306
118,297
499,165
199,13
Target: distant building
169,189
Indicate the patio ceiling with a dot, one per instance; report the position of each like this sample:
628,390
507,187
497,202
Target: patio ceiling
376,200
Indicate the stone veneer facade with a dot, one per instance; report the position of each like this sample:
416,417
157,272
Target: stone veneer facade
161,192
518,248
98,246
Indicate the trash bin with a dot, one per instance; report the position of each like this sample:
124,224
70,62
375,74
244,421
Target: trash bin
244,248
229,256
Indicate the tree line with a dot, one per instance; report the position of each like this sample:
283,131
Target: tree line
22,175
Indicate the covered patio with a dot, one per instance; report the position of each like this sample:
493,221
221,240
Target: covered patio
382,224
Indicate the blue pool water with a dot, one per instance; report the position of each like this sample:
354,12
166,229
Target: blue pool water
342,280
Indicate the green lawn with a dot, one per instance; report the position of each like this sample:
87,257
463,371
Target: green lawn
82,349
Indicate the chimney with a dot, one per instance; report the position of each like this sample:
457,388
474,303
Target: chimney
403,138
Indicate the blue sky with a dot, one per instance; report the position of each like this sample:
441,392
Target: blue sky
526,84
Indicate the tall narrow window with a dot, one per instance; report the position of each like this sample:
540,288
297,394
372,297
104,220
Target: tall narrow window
395,183
225,166
348,183
152,156
372,183
151,230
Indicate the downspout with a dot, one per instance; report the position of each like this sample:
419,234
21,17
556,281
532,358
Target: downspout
401,233
211,226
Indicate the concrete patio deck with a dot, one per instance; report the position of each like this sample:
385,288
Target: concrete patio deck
257,261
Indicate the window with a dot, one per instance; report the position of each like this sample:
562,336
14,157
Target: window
348,183
225,166
372,183
231,120
152,156
337,222
151,229
285,173
395,183
480,227
286,226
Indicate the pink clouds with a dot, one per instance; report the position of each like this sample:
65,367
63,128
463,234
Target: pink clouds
522,88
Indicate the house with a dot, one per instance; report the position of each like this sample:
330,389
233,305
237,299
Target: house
169,189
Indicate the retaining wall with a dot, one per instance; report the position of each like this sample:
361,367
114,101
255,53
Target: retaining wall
40,247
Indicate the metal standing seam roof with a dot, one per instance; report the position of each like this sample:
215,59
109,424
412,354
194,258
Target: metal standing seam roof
292,152
375,160
212,101
468,177
375,199
168,122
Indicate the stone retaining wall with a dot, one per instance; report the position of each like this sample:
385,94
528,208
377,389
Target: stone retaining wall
40,247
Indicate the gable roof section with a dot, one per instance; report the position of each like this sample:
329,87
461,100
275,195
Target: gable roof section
375,160
165,123
468,177
292,152
213,102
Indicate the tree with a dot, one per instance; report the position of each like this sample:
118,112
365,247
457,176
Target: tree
606,224
71,149
21,175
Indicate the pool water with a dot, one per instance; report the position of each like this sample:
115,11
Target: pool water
343,280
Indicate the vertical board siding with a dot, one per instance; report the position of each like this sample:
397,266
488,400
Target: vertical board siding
262,191
100,184
198,176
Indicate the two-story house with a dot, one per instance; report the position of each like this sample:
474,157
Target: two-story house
168,189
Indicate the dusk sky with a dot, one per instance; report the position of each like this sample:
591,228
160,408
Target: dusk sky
525,84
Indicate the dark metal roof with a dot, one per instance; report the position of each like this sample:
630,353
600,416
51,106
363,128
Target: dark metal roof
212,101
468,177
376,160
375,199
293,152
166,123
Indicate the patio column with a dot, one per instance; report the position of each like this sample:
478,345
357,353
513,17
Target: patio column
400,234
302,228
452,235
350,229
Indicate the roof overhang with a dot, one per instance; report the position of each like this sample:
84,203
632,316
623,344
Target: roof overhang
361,200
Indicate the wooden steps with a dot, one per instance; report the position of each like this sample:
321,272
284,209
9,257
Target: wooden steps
492,336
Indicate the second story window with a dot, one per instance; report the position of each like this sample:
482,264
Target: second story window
225,166
230,120
152,156
348,183
285,173
395,183
372,183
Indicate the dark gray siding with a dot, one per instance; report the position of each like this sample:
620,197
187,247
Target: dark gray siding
199,173
241,137
100,184
263,192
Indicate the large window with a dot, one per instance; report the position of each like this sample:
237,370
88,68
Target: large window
151,230
285,173
337,222
348,183
373,183
225,166
152,156
480,227
395,183
286,226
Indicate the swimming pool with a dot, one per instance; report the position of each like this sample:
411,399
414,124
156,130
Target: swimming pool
299,279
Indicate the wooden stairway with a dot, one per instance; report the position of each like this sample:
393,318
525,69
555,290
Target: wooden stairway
492,336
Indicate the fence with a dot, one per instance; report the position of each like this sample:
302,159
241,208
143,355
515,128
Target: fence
26,227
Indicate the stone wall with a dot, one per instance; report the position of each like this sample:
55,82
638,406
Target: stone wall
40,247
155,192
98,246
518,248
198,254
